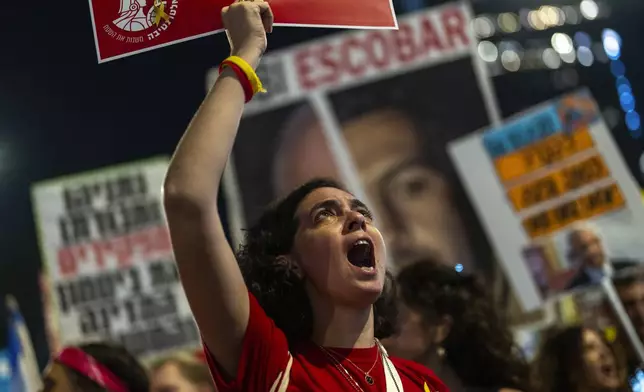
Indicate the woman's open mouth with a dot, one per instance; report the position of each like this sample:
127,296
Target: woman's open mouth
362,256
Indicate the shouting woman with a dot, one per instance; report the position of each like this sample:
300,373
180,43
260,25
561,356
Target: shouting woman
305,310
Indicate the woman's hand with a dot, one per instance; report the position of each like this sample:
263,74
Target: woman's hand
246,23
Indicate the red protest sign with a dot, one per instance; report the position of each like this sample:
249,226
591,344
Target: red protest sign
127,27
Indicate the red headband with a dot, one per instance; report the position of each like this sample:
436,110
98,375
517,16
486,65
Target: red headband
84,364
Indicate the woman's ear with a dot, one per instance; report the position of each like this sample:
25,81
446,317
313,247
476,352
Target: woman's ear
442,330
287,262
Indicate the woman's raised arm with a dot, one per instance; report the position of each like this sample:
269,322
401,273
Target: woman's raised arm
209,272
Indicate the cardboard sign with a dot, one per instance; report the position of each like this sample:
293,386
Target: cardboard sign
110,268
542,174
126,27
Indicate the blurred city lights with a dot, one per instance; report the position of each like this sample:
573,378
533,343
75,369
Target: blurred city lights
483,27
589,9
598,51
508,22
585,56
622,84
551,58
632,121
612,44
627,101
488,51
459,268
583,39
510,60
617,68
572,16
535,21
562,43
551,16
568,57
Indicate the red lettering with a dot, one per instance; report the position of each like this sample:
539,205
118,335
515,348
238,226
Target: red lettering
100,249
354,67
304,68
141,243
405,45
328,61
122,248
454,23
378,53
67,264
163,243
429,39
149,243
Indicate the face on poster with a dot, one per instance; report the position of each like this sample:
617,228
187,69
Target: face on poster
110,272
127,27
395,100
555,196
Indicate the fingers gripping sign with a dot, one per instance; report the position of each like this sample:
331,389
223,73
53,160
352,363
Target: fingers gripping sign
246,23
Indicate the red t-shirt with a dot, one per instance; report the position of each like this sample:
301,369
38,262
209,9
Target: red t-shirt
266,364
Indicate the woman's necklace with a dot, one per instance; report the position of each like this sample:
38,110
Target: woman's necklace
345,373
367,375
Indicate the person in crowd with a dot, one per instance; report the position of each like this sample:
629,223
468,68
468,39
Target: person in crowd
449,323
587,252
578,359
303,303
630,289
95,367
180,373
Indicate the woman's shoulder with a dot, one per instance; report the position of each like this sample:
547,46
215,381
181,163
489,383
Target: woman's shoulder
418,373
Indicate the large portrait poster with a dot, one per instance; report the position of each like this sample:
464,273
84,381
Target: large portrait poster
110,272
555,196
376,110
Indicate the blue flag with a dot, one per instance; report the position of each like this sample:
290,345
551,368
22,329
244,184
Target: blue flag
24,375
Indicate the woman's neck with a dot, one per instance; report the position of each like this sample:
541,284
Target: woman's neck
342,326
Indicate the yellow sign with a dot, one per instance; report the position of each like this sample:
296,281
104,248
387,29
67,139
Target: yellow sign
558,183
553,149
587,206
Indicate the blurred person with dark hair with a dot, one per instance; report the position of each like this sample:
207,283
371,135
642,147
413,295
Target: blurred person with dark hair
630,289
95,367
180,373
449,323
587,252
579,359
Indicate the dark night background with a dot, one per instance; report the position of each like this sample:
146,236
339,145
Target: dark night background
62,113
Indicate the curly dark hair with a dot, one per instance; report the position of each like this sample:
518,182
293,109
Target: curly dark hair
117,360
278,287
479,347
559,365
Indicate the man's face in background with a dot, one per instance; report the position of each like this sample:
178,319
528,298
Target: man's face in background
586,249
414,206
632,297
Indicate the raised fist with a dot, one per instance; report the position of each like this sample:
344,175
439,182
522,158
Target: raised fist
246,23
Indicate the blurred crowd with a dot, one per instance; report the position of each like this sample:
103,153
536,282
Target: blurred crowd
449,322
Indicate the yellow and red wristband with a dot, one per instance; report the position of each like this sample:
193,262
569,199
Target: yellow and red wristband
246,75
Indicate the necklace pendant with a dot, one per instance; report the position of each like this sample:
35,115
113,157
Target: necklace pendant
368,379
